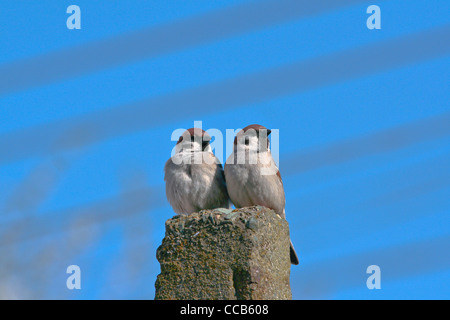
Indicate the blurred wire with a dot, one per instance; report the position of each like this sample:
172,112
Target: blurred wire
141,200
384,141
261,86
320,280
146,44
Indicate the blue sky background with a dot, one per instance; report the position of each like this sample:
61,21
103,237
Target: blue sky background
86,118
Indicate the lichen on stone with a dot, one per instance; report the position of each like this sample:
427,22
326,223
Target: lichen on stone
218,254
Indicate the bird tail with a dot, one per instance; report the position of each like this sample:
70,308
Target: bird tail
293,254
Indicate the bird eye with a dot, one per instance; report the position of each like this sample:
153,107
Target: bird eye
247,141
205,145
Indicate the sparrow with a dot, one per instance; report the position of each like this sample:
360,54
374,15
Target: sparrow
252,176
194,176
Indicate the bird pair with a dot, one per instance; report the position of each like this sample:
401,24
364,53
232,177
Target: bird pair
195,179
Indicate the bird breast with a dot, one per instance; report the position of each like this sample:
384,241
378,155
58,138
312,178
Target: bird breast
248,186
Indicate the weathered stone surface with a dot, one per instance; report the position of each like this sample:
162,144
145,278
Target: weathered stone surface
225,254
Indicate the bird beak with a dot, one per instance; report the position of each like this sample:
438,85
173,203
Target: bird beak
268,131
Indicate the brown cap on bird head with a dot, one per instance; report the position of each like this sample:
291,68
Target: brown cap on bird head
195,134
256,128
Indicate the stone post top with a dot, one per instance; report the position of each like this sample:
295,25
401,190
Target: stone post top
225,254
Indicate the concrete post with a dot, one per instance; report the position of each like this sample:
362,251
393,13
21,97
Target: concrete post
223,254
